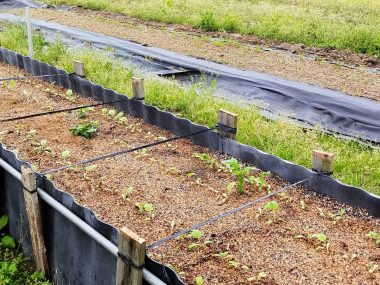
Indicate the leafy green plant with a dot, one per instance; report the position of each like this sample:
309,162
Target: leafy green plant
260,277
65,155
321,239
126,193
195,234
199,280
273,207
42,147
260,182
375,236
204,157
70,95
83,112
208,22
6,240
31,135
242,174
145,208
87,130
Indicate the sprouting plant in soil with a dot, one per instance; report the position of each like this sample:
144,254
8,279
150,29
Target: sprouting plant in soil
5,240
70,95
207,159
258,278
88,170
333,216
375,236
241,174
260,182
126,193
87,130
199,280
372,267
321,240
42,147
65,155
83,112
31,135
145,208
273,208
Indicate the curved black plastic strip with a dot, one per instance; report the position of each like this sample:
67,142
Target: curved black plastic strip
68,258
334,111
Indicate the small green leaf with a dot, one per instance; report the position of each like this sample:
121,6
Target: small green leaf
271,206
231,186
195,234
199,280
320,236
3,221
8,242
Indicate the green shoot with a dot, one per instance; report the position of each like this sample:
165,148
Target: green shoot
199,280
145,208
126,193
5,240
85,130
375,236
83,112
195,234
42,147
242,174
70,95
65,155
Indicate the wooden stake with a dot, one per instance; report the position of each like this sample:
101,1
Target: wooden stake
28,179
322,161
227,122
79,68
131,258
138,88
29,31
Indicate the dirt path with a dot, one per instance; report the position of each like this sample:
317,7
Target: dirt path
181,189
234,52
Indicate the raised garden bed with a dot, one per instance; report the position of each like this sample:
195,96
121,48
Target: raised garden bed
309,239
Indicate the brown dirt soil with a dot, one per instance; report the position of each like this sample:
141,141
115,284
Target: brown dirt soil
232,50
159,177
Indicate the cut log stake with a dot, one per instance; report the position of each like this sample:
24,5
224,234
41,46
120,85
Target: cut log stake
138,88
227,123
28,179
131,258
323,162
79,68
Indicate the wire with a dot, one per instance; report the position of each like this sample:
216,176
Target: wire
61,111
225,214
113,154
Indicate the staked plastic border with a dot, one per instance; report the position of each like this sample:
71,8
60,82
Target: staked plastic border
74,257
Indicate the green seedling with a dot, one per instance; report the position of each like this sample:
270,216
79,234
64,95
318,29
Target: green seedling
126,193
42,147
85,130
260,181
337,216
241,174
206,159
320,238
199,280
223,254
195,234
303,205
5,240
70,95
260,277
372,267
65,155
83,112
31,135
273,207
375,236
234,264
89,169
145,208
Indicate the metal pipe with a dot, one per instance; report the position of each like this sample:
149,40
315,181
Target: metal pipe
109,246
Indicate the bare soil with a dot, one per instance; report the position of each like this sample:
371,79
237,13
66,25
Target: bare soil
297,63
159,176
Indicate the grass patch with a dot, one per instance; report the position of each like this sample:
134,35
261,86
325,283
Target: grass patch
341,24
355,164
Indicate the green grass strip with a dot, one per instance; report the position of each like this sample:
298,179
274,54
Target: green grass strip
355,164
341,24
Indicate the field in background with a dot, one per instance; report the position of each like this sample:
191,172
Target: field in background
355,164
341,24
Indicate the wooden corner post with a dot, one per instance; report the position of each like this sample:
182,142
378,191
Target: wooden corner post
79,68
322,162
138,88
131,258
227,124
29,183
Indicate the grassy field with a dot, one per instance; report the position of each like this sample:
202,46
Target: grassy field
341,24
355,163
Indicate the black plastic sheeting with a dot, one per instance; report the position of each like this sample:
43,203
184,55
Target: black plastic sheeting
12,4
74,257
334,111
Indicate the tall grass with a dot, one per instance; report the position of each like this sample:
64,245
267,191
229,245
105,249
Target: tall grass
341,24
355,163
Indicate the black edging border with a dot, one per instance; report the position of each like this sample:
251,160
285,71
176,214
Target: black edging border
291,172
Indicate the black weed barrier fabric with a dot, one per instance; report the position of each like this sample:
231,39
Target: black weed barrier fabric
311,105
75,258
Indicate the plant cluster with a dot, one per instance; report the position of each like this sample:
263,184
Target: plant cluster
86,130
145,208
375,236
117,116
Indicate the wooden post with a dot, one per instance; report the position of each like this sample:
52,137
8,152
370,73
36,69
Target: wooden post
29,32
28,179
227,123
131,258
79,68
138,88
322,162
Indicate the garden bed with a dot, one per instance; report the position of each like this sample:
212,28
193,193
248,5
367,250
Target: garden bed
178,189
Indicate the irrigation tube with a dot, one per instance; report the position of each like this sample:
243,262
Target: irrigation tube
109,246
